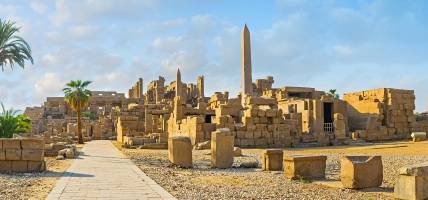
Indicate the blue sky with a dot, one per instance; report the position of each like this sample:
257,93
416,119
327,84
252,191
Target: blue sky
347,45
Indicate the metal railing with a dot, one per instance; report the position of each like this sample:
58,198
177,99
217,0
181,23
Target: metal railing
328,128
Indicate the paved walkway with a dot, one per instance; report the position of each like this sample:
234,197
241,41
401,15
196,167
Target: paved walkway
103,172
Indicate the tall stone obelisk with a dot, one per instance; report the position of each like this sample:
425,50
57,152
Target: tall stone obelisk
246,78
178,89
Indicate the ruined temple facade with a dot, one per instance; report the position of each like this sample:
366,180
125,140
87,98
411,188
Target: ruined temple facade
261,115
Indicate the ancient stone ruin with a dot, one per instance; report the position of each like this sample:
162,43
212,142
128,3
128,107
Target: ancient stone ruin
261,115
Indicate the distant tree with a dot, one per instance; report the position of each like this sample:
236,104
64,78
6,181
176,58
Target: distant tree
332,92
11,122
13,49
77,97
88,115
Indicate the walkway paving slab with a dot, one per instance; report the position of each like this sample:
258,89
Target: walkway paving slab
102,172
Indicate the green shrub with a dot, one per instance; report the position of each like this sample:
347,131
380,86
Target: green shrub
11,122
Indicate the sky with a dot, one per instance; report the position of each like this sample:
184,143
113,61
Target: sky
345,45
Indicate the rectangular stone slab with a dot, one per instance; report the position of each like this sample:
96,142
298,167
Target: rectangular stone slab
32,143
307,167
32,154
11,144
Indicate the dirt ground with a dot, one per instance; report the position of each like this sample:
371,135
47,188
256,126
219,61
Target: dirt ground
203,182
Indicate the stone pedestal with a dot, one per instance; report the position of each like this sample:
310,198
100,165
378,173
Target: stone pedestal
272,160
307,167
359,172
180,151
222,148
412,182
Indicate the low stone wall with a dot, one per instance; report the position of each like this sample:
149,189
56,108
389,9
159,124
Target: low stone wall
22,155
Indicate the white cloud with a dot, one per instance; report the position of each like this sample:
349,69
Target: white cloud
39,6
49,85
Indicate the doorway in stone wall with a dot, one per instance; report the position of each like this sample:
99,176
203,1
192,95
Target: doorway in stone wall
328,117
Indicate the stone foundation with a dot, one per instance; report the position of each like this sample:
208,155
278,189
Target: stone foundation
22,155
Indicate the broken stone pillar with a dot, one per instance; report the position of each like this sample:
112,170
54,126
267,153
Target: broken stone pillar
222,142
178,108
272,160
306,167
180,151
359,172
200,86
419,136
412,182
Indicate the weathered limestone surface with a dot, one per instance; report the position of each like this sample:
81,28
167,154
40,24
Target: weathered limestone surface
412,182
222,148
22,155
272,160
359,172
307,167
180,151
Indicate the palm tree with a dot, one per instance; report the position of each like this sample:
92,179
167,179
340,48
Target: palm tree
77,97
13,49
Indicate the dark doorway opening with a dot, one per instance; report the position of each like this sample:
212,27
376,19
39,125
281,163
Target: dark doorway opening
208,118
328,112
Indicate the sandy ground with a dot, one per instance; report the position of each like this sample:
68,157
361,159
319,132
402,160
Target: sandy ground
33,185
202,182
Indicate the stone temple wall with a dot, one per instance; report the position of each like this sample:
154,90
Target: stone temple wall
382,114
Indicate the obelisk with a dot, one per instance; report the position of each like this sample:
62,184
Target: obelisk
178,84
246,80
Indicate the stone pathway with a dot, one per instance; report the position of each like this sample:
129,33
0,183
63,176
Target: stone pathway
103,172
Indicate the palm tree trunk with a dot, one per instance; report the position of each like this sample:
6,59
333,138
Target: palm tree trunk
79,127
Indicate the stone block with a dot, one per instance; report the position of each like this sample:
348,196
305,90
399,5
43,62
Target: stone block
222,149
5,165
32,154
359,172
36,166
2,154
19,166
1,144
11,144
180,151
272,160
412,182
307,167
32,143
418,136
13,154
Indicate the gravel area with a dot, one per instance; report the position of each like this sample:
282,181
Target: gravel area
203,182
